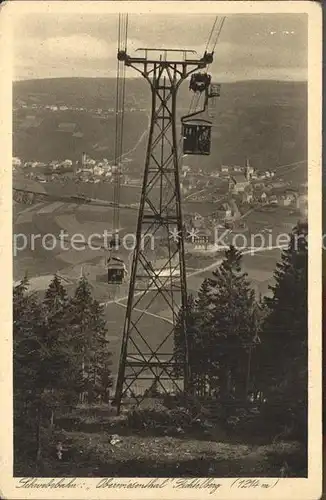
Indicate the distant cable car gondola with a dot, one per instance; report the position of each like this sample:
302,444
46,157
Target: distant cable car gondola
214,90
116,271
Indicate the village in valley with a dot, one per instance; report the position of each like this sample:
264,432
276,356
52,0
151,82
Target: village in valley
230,192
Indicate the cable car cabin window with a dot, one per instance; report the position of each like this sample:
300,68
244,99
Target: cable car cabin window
196,139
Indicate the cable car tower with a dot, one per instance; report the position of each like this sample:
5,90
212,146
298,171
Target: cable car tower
158,289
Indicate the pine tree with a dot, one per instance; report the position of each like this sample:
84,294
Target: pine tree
29,353
100,370
61,370
231,325
28,324
186,316
90,343
285,330
221,327
205,364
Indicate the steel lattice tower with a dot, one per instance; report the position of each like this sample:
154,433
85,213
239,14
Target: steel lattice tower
158,275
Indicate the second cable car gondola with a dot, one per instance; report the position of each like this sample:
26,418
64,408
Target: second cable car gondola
116,271
196,136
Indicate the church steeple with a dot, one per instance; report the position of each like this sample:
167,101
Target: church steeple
248,170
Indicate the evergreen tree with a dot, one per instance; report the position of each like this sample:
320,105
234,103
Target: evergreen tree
195,334
186,316
61,370
205,363
90,343
285,331
28,350
221,327
232,325
100,369
29,353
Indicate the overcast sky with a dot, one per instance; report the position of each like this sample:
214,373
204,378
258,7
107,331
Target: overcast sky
272,46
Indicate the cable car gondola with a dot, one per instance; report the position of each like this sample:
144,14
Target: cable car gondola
116,271
196,131
197,136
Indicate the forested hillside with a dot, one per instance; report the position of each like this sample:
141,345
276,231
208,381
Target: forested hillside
265,121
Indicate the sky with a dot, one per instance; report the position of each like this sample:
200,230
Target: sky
250,46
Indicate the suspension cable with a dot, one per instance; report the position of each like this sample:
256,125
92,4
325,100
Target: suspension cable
211,33
119,118
219,32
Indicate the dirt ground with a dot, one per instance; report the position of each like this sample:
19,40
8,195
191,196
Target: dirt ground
94,455
106,447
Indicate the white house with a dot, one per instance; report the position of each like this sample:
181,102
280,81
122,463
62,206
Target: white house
288,199
263,197
98,170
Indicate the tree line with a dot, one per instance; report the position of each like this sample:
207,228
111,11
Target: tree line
238,345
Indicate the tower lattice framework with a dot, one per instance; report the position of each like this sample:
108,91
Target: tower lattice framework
158,289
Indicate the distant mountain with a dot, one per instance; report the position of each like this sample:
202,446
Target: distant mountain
265,121
100,92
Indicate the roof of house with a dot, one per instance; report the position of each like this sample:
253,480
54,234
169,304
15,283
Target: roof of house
203,232
238,178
